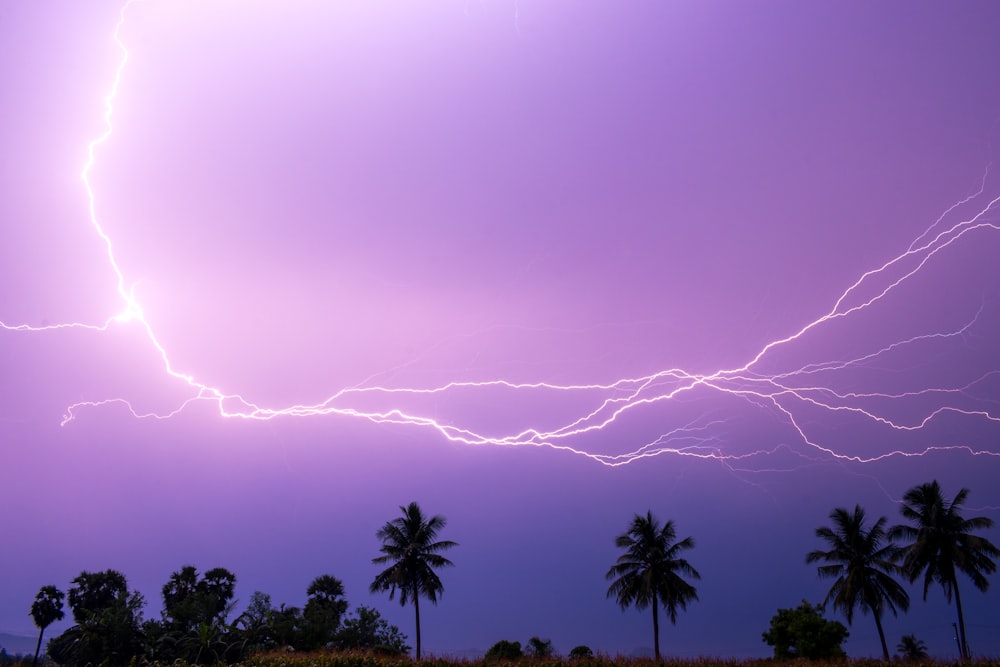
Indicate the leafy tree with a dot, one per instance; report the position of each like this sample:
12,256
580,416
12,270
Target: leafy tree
367,630
649,572
189,601
540,648
108,618
255,622
286,625
942,545
194,616
804,633
911,648
581,652
504,650
46,610
862,562
323,611
409,543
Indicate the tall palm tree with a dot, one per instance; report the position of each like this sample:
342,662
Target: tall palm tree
862,562
409,543
649,572
46,610
942,545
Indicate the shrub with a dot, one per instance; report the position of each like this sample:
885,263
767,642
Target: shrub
804,633
504,650
540,648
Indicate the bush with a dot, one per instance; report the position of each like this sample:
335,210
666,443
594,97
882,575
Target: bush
540,648
504,650
804,633
581,652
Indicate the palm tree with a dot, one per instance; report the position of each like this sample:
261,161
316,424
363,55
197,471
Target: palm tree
942,545
911,648
862,562
46,610
408,542
649,572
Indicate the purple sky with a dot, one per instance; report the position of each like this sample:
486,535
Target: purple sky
593,217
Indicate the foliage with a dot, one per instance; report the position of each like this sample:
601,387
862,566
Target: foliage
286,625
540,648
108,618
255,623
862,562
581,652
367,630
911,648
942,545
323,611
189,601
802,632
504,650
193,626
409,543
649,572
46,610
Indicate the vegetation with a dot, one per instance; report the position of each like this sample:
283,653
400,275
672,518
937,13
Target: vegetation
862,562
324,609
504,650
362,659
942,545
46,610
368,631
195,625
649,573
540,649
410,543
911,648
108,621
802,632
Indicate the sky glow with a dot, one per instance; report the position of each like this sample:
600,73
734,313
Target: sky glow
716,249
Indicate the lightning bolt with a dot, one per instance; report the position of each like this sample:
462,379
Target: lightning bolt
789,395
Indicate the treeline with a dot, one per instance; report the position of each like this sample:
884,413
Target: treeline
866,561
194,625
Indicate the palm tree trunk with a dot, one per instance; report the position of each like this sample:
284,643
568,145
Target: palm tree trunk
881,635
38,647
961,620
656,629
416,606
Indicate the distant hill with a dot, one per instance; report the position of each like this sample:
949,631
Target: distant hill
14,644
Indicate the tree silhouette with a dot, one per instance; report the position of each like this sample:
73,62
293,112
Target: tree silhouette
107,617
323,611
408,542
649,572
862,562
194,615
46,610
539,648
366,630
911,648
942,545
802,632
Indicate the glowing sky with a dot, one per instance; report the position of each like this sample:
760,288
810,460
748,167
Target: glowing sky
537,265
